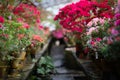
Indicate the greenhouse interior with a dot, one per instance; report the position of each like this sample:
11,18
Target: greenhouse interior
59,39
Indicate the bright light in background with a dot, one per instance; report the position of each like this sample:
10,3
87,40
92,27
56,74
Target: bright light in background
53,10
48,24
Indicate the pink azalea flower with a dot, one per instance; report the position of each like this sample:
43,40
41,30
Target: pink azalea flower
102,21
90,24
25,25
117,22
1,26
114,32
117,16
91,30
20,19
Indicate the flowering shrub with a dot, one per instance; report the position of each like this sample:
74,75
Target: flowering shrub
112,49
13,38
105,39
16,21
28,13
76,15
88,20
98,32
36,41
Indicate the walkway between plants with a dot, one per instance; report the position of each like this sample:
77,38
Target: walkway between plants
58,55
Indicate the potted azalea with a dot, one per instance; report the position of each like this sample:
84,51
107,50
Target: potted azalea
13,39
15,23
98,34
32,48
76,16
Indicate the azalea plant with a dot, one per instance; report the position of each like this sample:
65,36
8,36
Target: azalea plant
111,51
77,16
16,20
98,33
14,37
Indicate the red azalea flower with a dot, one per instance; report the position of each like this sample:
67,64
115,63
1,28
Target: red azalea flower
71,15
1,19
98,39
27,10
40,27
107,14
92,43
38,20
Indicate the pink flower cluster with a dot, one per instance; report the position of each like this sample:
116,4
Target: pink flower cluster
94,24
74,16
117,17
115,30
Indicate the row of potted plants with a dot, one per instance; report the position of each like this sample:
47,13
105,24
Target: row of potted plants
21,33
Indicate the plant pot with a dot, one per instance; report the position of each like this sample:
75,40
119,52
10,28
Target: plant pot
4,67
3,72
17,65
79,50
101,64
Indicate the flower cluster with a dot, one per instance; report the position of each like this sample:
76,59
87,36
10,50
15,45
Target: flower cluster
27,14
13,37
98,33
115,30
74,16
27,10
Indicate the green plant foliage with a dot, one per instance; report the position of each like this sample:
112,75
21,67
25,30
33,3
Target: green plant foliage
9,41
45,66
101,31
112,51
